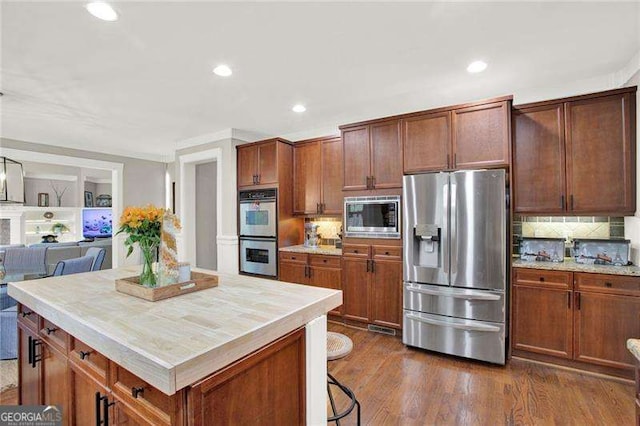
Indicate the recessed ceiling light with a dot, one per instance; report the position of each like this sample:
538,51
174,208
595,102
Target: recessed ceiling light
222,71
477,66
102,10
298,108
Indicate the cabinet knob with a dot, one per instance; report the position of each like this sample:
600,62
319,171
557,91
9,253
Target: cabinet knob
135,391
26,314
386,253
293,258
84,354
355,251
542,279
51,330
324,260
608,284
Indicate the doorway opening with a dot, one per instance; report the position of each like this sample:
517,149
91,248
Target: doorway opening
206,218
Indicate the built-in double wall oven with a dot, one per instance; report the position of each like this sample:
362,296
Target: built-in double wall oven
258,232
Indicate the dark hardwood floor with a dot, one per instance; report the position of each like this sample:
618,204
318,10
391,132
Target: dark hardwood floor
400,386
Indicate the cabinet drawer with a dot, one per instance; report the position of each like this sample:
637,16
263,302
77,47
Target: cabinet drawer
140,395
54,335
293,257
387,252
613,284
355,250
325,261
27,317
551,279
89,360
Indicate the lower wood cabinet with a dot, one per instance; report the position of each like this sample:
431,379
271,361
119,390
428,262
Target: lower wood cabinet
30,372
579,317
372,284
312,269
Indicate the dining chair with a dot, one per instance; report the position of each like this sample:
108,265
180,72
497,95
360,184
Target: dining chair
98,255
74,266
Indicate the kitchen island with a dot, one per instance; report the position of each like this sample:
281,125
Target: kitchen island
250,350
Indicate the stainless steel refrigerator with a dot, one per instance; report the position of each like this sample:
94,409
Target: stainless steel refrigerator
455,263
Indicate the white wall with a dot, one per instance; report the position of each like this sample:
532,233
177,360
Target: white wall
206,221
34,186
227,233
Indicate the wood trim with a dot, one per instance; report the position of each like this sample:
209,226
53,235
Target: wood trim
428,111
631,89
264,141
318,139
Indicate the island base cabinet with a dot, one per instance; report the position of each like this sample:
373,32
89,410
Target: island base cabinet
267,387
29,373
603,323
87,405
55,380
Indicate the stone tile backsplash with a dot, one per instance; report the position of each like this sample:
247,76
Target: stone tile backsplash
567,227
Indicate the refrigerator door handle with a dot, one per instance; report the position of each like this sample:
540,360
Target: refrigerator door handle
466,296
466,327
453,231
444,238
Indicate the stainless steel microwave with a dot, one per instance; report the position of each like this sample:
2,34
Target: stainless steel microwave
372,217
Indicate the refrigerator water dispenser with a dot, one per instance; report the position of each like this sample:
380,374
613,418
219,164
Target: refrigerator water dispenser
429,247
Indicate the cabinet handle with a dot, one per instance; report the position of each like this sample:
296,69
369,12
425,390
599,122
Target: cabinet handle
51,330
317,208
578,301
568,300
105,406
367,265
373,182
309,271
368,187
608,284
571,201
259,178
562,201
321,207
448,164
137,391
98,411
26,314
84,354
455,160
33,358
373,266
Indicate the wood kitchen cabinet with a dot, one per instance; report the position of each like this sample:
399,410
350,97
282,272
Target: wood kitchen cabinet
312,269
576,155
372,284
30,391
475,135
258,163
577,319
318,167
372,156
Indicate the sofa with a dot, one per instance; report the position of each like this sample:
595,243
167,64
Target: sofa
63,251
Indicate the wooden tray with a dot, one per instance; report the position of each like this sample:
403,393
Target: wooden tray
199,281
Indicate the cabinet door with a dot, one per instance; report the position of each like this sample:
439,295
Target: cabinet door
386,293
355,288
332,176
29,376
356,158
268,163
426,142
538,159
542,321
481,135
603,323
327,278
600,155
386,155
247,165
293,272
84,409
55,380
306,178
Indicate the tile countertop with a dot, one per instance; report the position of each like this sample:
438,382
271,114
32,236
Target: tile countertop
634,347
329,250
176,342
570,265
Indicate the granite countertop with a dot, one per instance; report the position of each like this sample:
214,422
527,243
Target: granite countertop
329,250
176,342
570,265
634,347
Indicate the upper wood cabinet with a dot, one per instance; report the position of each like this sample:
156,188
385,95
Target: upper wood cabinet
458,137
258,163
317,176
576,155
372,156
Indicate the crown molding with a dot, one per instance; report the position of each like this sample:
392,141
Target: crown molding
244,136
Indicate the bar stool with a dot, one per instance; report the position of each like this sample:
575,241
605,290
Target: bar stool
339,346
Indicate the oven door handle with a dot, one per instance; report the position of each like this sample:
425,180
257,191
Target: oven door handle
467,296
465,327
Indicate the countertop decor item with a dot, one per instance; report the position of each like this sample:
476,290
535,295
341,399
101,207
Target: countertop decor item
542,249
143,225
601,252
199,281
169,267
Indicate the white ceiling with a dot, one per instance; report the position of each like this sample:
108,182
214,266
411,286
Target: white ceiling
144,83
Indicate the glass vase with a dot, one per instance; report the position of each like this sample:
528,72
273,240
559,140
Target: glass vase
147,276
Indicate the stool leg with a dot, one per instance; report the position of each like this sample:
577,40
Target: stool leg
358,412
333,404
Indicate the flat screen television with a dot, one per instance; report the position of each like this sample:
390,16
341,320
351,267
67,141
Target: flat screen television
96,223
